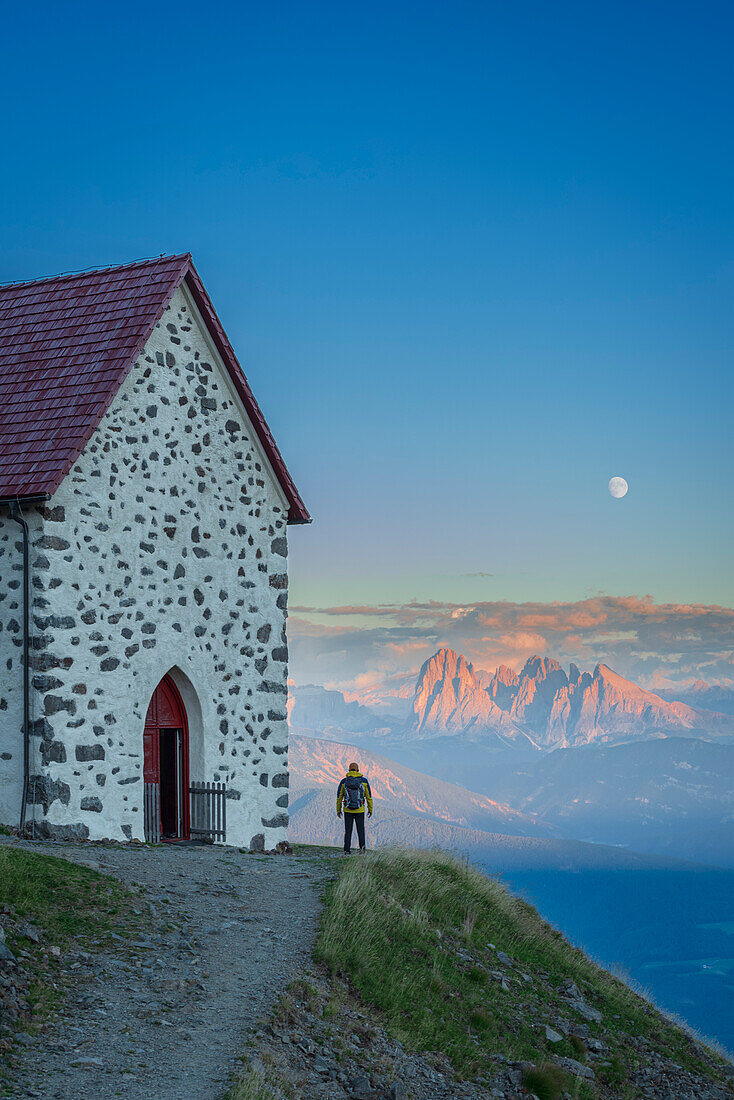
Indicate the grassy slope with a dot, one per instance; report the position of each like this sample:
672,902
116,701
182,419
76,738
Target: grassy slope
62,898
70,906
411,930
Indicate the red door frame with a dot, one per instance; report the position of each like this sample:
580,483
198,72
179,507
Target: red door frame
166,710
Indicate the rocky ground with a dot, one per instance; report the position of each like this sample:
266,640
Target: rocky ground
166,1015
321,1044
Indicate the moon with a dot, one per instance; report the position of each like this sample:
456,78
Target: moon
618,487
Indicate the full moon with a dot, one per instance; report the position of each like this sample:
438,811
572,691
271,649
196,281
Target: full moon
618,487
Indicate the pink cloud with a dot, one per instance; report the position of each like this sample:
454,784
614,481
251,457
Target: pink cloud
632,634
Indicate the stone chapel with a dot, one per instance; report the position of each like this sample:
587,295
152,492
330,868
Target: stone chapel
144,512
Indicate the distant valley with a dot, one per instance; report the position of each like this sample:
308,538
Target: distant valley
673,796
421,811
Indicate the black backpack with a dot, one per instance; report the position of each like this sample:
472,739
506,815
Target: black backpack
354,792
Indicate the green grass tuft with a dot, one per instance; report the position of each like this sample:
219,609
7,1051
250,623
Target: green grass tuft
547,1081
255,1085
579,1049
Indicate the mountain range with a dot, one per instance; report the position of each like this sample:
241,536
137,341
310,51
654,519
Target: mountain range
544,706
538,709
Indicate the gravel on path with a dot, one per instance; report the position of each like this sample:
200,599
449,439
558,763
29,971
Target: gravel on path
166,1016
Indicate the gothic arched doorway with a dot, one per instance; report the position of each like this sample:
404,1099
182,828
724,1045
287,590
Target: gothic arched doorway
166,764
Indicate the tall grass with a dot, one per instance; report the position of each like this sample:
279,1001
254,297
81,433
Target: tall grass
411,930
254,1084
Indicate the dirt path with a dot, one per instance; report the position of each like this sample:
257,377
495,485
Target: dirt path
166,1018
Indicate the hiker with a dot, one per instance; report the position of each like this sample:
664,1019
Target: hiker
354,791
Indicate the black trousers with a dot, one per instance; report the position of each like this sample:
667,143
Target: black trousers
349,821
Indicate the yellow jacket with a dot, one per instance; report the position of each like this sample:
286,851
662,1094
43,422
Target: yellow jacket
341,794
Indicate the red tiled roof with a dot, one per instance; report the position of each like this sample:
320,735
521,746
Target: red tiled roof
66,345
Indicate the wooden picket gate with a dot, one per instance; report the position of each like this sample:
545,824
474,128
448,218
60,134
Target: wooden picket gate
208,817
152,813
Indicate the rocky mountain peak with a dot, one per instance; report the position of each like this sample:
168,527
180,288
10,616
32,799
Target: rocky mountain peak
446,662
450,697
505,675
543,705
539,668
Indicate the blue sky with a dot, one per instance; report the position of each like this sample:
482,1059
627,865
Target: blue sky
475,258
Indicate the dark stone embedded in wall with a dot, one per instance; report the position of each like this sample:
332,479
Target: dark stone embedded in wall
282,779
279,580
47,683
92,804
109,664
44,791
52,704
280,821
128,831
42,662
263,779
280,654
84,753
53,752
41,727
54,515
52,542
282,801
264,632
257,843
56,622
277,716
47,831
272,686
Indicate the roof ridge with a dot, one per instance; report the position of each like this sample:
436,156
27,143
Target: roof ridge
143,262
65,351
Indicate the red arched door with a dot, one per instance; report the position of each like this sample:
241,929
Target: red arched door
166,759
